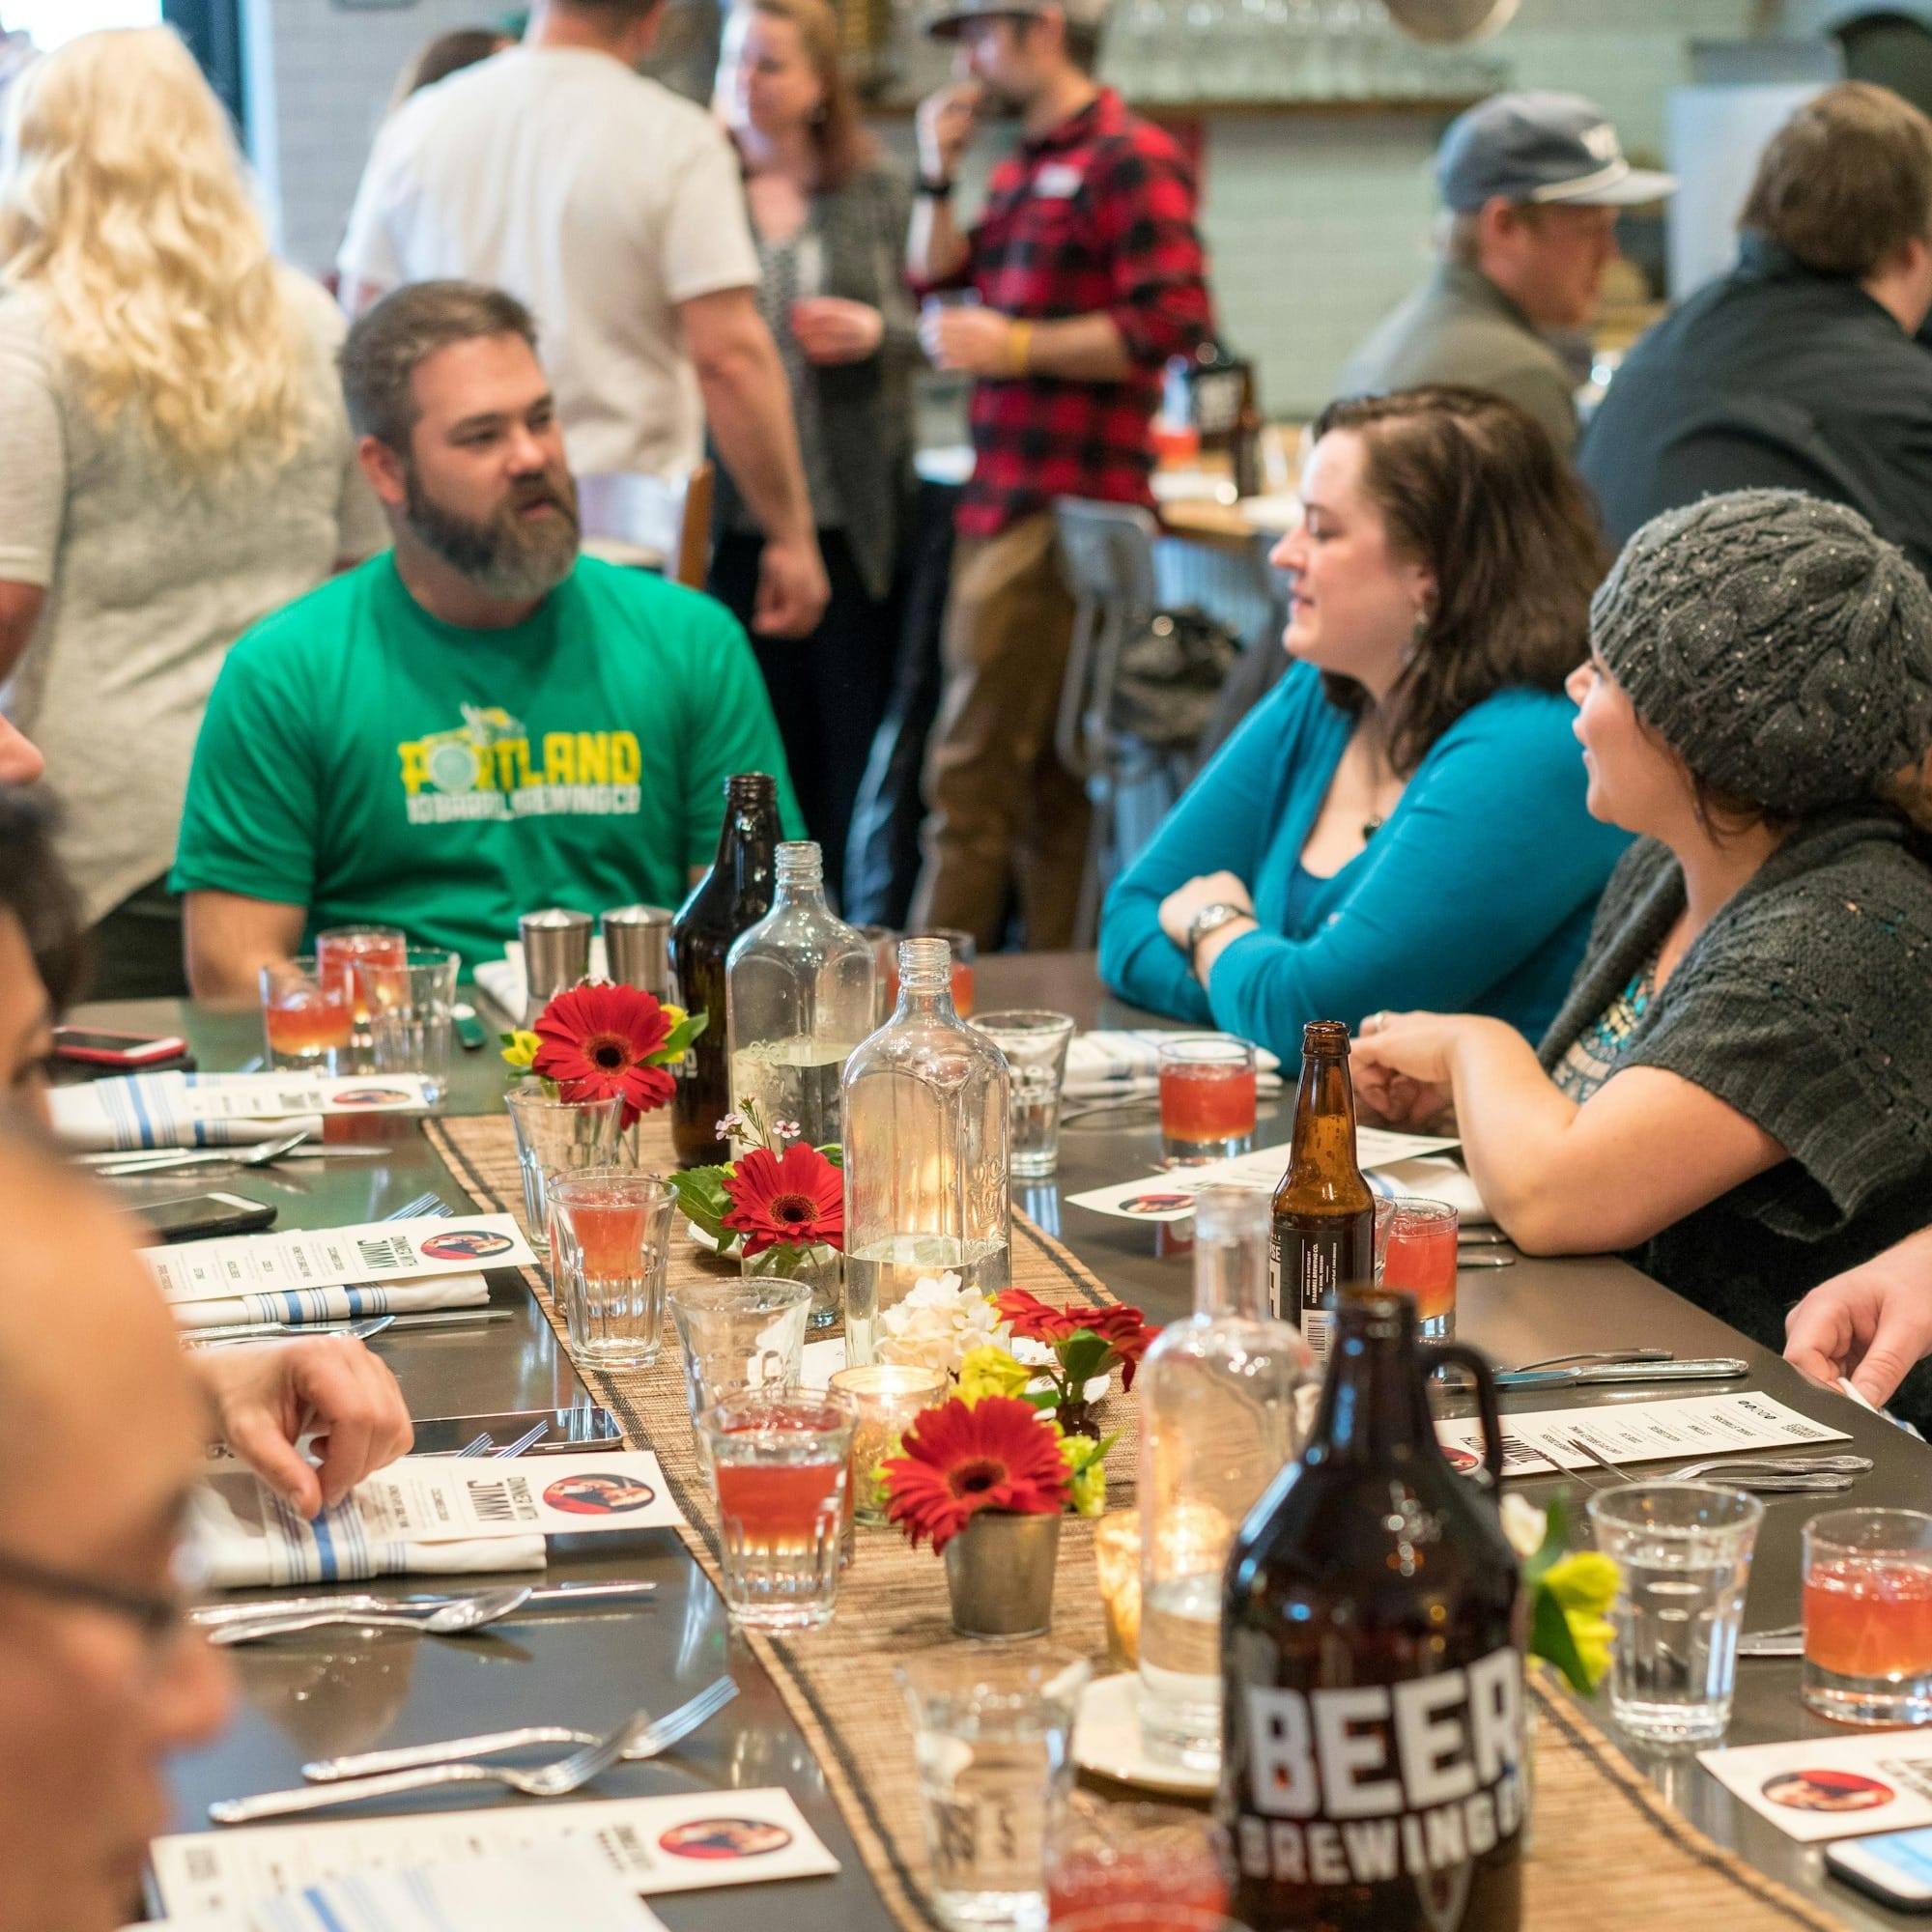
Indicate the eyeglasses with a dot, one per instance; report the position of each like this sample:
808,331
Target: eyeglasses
159,1615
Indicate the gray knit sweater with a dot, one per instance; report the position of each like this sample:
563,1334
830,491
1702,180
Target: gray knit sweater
1807,1005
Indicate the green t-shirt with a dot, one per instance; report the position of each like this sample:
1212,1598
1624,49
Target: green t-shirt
365,760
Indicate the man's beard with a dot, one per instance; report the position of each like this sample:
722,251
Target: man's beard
509,556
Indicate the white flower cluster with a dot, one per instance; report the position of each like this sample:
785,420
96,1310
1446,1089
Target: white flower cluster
938,1323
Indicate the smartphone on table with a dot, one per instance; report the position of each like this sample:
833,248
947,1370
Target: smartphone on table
119,1051
1894,1866
195,1218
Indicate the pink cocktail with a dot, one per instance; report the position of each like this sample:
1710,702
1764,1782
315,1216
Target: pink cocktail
1417,1255
305,1021
337,950
1207,1089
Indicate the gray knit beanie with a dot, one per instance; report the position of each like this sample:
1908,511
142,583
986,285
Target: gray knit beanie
1776,642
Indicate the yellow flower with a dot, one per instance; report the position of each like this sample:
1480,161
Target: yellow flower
1087,1472
1593,1637
990,1371
522,1050
676,1015
1584,1581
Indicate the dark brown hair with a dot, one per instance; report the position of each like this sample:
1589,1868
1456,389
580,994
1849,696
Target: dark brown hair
447,54
1847,182
1471,487
405,329
840,138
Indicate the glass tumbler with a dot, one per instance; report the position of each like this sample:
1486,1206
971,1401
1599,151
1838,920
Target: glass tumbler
557,1136
609,1248
1869,1616
990,1740
409,1006
337,949
737,1337
1035,1045
1416,1255
1137,1862
1685,1551
1206,1099
778,1461
305,1020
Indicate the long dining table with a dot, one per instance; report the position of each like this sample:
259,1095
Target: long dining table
354,1691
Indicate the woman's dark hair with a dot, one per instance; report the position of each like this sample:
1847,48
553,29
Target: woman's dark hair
447,54
34,887
1471,487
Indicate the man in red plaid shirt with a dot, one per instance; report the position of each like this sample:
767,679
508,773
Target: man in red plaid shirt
1088,274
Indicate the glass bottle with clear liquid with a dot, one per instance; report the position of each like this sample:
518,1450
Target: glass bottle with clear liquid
926,1151
799,995
1221,1395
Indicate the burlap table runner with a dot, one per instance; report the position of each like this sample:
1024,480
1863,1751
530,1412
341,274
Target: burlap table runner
1609,1852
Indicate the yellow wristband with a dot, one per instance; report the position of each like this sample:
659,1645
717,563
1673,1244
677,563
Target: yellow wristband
1019,344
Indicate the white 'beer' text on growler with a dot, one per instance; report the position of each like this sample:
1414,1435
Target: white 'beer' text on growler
1372,1765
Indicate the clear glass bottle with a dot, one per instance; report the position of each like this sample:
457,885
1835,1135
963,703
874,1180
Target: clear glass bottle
799,995
926,1151
1219,1421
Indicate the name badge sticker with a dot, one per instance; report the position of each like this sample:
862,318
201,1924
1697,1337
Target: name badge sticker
1058,180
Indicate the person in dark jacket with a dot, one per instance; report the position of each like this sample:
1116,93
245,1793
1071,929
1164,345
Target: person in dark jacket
1798,370
829,219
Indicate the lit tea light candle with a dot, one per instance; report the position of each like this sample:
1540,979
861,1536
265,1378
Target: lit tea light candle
888,1397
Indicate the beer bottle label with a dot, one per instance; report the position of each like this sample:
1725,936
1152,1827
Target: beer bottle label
1411,1788
1303,1287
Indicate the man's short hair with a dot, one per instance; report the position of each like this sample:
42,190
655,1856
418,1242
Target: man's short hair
617,13
1082,42
1847,182
388,344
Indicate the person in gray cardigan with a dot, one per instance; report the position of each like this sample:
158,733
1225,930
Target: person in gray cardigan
1737,1092
830,224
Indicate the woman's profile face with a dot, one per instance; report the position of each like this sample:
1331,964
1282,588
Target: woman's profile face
1357,601
26,1023
1636,781
764,80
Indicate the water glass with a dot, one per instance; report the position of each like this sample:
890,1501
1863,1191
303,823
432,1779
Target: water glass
739,1336
1132,1865
610,1245
410,1006
1206,1099
1035,1045
1869,1616
887,1398
991,1743
1685,1549
778,1461
557,1136
1416,1255
305,1020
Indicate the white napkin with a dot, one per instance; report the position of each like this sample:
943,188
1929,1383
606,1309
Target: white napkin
335,1304
1126,1063
1433,1178
136,1110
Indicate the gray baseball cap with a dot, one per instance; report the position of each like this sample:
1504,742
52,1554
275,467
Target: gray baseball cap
1540,148
945,24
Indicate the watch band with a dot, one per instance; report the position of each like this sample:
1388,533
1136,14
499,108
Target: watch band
932,188
1210,919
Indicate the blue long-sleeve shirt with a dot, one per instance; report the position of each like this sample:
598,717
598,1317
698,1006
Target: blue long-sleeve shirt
1476,897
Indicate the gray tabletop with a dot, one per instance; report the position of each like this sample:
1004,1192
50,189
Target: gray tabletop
349,1693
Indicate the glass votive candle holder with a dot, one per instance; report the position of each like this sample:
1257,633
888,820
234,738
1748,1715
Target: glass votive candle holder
887,1398
1117,1556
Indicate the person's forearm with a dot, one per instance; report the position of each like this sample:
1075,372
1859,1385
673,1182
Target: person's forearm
1512,1118
935,248
749,409
1084,349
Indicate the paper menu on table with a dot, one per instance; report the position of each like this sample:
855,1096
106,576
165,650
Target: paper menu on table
685,1842
564,1884
1682,1428
1833,1787
1169,1195
372,1252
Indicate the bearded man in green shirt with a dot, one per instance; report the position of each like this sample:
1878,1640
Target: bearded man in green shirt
479,721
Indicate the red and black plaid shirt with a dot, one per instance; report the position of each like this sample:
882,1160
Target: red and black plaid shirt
1096,216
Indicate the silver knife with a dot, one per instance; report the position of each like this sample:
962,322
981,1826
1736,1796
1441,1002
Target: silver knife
554,1596
1714,1368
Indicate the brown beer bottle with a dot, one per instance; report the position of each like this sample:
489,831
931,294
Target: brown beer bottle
1372,1757
1324,1215
735,893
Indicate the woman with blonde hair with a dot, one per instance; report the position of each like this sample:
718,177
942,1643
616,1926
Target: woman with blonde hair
829,222
179,463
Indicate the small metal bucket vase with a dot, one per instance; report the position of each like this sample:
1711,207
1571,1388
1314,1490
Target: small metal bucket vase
999,1571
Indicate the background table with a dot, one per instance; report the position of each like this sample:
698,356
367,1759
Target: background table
351,1692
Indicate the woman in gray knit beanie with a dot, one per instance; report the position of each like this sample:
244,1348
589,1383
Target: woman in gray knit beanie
1737,1092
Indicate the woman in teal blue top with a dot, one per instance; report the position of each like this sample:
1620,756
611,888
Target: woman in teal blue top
1400,822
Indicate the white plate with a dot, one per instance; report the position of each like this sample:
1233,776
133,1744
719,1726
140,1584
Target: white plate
1107,1742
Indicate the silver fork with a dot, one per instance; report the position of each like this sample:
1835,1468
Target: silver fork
668,1729
523,1441
547,1780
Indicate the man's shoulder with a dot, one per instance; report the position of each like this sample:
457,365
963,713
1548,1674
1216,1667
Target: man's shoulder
663,614
1439,333
316,627
1126,144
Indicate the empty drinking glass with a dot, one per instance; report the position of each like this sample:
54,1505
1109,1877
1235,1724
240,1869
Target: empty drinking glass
778,1460
739,1336
410,1014
305,1018
1034,1044
609,1235
990,1740
1685,1551
556,1136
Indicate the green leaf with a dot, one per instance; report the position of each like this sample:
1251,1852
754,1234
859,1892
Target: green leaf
1082,1356
835,1155
701,1193
1550,1638
1555,1541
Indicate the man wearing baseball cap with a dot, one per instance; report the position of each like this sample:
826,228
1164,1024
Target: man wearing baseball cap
1530,185
1083,274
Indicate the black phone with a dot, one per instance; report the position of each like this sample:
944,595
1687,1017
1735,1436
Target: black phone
192,1217
1895,1866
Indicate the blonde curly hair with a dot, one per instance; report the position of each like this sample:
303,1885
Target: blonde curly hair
125,204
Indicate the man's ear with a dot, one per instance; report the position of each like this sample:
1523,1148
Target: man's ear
384,468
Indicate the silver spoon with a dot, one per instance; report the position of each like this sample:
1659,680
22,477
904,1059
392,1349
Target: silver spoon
167,1160
452,1619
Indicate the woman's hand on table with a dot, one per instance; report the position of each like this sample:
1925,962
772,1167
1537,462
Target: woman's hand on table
268,1396
831,329
1871,1324
1178,912
1402,1063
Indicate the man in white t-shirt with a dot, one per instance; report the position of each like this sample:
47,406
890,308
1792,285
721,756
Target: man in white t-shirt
612,208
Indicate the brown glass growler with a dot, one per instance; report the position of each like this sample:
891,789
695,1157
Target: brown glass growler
1325,1214
1372,1758
735,893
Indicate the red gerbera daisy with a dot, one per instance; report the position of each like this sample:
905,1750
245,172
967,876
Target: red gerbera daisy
797,1197
1032,1319
595,1042
960,1458
1123,1329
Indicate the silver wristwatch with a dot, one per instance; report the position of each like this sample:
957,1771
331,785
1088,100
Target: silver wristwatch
1211,919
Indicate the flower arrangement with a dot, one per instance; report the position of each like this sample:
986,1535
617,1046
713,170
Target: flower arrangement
1084,1345
780,1199
1570,1591
985,1452
595,1040
939,1324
